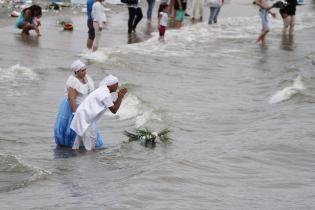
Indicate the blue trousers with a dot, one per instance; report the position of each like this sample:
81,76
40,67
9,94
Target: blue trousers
214,12
150,8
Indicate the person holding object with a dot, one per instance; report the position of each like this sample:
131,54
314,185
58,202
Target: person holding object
265,8
78,86
99,21
91,110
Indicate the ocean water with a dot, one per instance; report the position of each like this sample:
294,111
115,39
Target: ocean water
241,116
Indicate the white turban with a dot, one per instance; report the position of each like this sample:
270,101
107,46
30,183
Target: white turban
77,66
109,80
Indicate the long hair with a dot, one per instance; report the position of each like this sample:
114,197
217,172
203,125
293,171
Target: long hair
34,9
162,7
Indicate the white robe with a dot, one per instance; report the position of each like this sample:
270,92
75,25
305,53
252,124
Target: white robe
91,109
195,8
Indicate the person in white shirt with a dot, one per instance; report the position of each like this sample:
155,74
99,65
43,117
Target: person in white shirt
78,86
162,20
99,21
92,108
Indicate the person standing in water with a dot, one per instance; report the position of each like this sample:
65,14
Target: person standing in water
92,109
150,9
180,8
162,20
214,12
91,32
78,86
99,21
265,8
288,16
29,20
135,16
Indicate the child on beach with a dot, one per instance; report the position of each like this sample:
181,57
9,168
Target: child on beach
162,20
29,20
265,8
99,21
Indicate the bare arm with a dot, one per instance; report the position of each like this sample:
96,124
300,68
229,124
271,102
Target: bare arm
117,103
72,95
159,19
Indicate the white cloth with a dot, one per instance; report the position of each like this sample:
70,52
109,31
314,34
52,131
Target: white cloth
109,80
91,109
164,19
88,139
98,35
98,14
196,9
77,66
82,89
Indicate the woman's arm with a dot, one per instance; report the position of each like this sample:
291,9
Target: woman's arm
72,95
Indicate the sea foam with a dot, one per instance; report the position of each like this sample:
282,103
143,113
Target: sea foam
288,92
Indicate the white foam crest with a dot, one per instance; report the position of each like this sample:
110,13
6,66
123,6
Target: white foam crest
185,41
132,107
17,72
98,56
288,92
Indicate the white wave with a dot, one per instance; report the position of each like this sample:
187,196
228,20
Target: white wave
288,92
188,39
132,107
17,72
98,56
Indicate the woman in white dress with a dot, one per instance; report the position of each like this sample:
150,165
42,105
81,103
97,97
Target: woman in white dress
78,86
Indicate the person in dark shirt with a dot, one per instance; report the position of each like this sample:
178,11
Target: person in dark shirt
288,16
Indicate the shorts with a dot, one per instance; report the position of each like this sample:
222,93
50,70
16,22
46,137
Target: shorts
91,29
179,15
162,30
288,10
264,19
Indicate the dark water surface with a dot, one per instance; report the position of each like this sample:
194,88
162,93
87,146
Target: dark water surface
242,116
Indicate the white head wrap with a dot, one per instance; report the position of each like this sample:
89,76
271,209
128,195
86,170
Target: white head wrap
77,66
109,80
